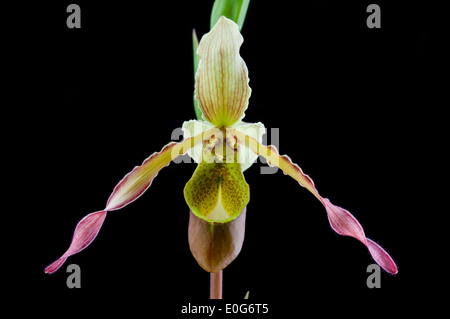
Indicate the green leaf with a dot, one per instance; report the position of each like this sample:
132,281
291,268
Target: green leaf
232,9
198,112
247,294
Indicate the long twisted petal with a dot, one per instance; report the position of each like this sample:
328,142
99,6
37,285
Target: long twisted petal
133,185
340,219
85,232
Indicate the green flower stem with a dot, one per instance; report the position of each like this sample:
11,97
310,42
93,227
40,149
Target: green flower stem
216,285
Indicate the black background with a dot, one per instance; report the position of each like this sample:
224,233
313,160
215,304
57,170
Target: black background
352,108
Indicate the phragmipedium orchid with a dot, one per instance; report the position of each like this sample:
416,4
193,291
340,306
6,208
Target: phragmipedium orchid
223,146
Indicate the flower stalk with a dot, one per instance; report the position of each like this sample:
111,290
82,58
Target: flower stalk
216,280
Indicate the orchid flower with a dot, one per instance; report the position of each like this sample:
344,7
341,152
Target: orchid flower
223,146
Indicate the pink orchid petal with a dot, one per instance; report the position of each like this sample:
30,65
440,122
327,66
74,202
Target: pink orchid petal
381,257
129,189
343,222
340,219
85,232
133,185
346,224
55,265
